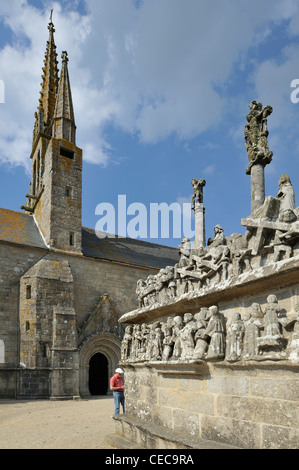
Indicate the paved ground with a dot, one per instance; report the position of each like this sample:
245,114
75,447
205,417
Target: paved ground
41,424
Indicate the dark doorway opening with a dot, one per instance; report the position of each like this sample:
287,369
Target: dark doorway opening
98,374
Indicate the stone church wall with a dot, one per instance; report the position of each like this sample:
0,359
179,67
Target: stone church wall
15,262
92,279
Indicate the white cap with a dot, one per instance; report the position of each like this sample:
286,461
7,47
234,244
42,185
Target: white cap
120,371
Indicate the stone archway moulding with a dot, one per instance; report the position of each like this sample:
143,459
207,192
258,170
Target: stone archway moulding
106,344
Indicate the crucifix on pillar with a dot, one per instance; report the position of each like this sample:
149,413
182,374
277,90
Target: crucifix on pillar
259,155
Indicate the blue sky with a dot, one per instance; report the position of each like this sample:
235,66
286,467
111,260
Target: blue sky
161,91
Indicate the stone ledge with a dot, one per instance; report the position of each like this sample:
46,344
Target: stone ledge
202,367
155,433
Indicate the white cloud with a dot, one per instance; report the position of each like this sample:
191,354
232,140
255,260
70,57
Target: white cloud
151,71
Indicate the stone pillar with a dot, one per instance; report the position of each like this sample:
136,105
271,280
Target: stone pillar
200,232
257,186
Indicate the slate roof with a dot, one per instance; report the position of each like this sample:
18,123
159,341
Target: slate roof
20,228
127,250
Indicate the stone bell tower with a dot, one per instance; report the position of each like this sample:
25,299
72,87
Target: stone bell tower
56,182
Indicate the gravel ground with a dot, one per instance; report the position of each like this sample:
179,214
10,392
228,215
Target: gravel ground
43,424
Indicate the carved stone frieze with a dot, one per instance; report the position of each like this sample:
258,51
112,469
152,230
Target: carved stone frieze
272,235
268,334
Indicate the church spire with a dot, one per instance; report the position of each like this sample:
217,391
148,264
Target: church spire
55,197
48,94
64,118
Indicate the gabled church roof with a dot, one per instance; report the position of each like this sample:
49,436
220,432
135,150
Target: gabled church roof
21,229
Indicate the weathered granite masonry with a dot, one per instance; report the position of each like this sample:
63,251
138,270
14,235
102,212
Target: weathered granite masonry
211,356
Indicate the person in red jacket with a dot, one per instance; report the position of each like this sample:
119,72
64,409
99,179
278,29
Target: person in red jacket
117,386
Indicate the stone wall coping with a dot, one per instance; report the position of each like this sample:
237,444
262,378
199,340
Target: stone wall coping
199,367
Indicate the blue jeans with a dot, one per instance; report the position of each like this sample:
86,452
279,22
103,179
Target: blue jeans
119,398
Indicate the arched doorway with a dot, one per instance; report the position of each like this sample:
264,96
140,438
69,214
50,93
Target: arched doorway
98,374
105,345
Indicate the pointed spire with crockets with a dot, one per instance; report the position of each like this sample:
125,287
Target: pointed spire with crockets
45,112
64,119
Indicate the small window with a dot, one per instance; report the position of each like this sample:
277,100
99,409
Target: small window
27,327
66,153
45,349
72,236
28,292
68,191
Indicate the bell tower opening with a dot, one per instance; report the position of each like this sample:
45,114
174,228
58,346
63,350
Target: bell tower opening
98,374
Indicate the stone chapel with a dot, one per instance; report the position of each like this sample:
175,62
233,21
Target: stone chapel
63,289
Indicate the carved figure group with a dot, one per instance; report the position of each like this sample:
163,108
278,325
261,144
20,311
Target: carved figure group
227,257
207,335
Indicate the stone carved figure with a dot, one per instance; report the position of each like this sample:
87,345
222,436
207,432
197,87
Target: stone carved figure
187,337
141,285
282,245
219,237
145,330
171,282
126,343
235,334
200,337
168,340
240,252
161,286
253,326
184,252
284,240
256,135
157,343
271,322
176,336
216,331
197,197
294,344
286,195
272,342
136,342
150,341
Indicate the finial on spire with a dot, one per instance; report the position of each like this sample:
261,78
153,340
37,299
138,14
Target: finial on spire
51,25
64,57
